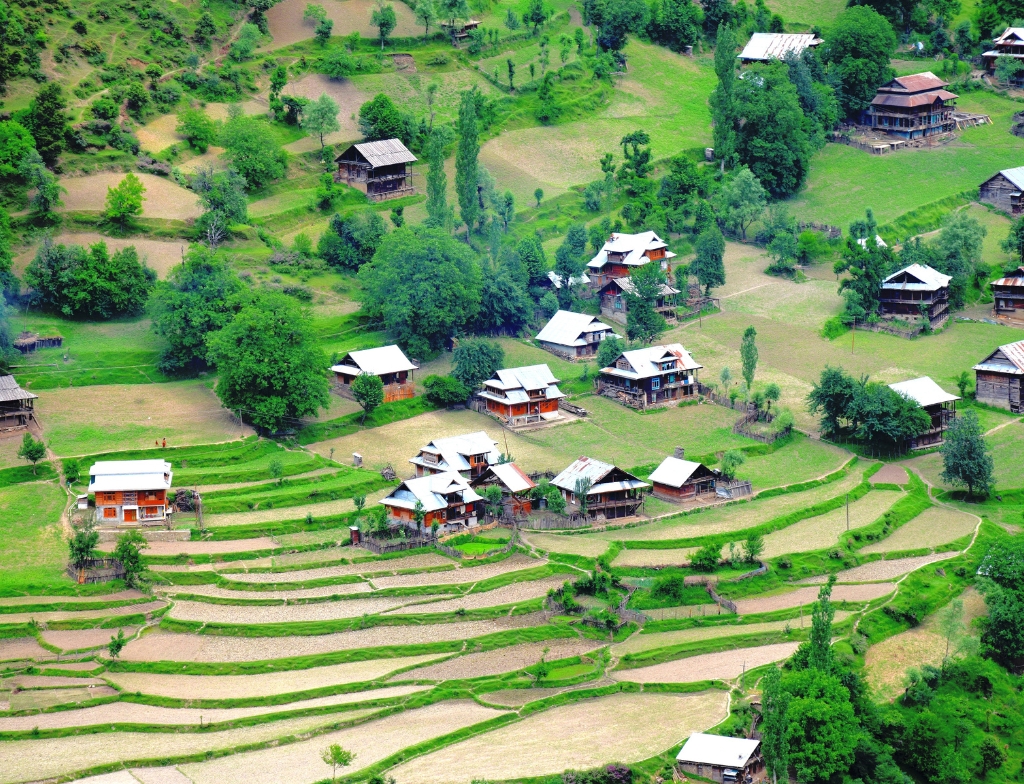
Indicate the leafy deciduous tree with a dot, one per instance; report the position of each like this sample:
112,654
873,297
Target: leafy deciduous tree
966,458
368,392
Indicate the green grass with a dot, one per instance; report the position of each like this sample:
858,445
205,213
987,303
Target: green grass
801,15
32,550
342,483
352,423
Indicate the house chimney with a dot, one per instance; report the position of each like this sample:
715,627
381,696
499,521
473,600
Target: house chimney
679,453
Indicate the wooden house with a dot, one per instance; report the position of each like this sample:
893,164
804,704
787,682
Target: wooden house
515,486
459,29
393,368
573,335
468,455
1000,376
612,492
1008,298
624,253
721,758
1003,191
615,300
1009,43
523,395
649,376
677,479
915,291
130,492
764,47
17,407
447,500
912,107
936,402
378,169
28,342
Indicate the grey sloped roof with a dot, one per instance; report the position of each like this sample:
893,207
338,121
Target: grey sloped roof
10,390
768,46
1016,176
430,491
718,750
385,152
930,279
566,328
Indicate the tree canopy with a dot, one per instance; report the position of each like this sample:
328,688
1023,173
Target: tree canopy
476,360
857,47
966,458
253,151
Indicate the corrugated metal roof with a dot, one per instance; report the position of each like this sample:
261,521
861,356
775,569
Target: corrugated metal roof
915,83
613,487
567,328
428,491
584,467
386,152
627,285
999,367
512,476
645,361
113,475
374,361
9,390
863,242
1015,353
1016,176
633,245
579,280
1011,280
1009,35
718,750
451,451
775,46
931,280
911,101
513,385
673,472
923,391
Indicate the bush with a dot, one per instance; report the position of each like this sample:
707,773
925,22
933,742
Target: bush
707,558
445,390
833,328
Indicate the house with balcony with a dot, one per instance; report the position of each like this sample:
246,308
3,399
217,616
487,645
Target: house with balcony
939,404
1008,298
130,492
446,499
1009,43
615,300
650,376
514,483
1000,376
722,759
573,335
379,169
912,107
468,455
522,396
914,292
624,253
389,363
600,490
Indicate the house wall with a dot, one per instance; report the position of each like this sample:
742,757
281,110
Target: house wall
998,192
144,506
1008,302
998,389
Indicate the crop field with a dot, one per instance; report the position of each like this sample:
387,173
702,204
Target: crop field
509,594
931,528
886,570
163,198
805,596
159,134
1004,444
287,26
82,639
674,557
652,640
159,255
31,545
723,665
319,611
477,665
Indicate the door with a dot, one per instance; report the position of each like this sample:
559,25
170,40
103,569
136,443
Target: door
131,515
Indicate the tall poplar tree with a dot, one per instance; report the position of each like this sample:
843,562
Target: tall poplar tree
724,133
820,646
439,214
774,741
466,175
748,353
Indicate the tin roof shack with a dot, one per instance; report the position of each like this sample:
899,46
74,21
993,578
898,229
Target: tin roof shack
916,291
623,253
1008,298
515,487
722,759
650,376
389,363
677,479
615,300
763,47
522,396
1000,376
937,403
1003,191
573,335
130,492
1009,43
468,455
913,107
447,500
17,407
378,169
611,493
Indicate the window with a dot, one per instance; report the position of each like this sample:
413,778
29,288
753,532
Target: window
110,513
655,383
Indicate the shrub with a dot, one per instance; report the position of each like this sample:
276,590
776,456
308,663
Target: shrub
707,558
445,390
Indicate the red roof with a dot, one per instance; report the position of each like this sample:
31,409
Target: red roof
910,101
916,83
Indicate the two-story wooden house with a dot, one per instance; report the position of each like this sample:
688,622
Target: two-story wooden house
573,335
1009,43
523,395
650,376
17,407
913,107
130,492
1008,298
676,479
939,404
378,169
1003,190
1000,376
611,492
468,455
916,291
393,368
615,300
623,253
514,483
446,498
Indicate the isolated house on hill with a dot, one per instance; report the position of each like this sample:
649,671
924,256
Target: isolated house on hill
912,107
571,334
1009,43
393,368
648,376
1003,191
763,47
936,402
721,758
677,479
1008,297
447,500
515,486
130,491
615,300
612,492
468,455
378,169
17,407
523,395
624,253
1000,376
915,291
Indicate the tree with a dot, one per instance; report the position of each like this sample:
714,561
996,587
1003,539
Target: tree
753,547
129,552
276,470
314,13
1014,242
741,200
15,143
505,207
822,731
384,19
424,285
124,202
47,121
722,111
47,187
535,14
253,150
320,118
539,196
368,392
350,242
445,391
783,251
323,31
675,23
726,378
116,644
439,214
643,323
857,49
505,306
31,450
709,265
887,419
820,644
82,547
426,14
1002,584
379,118
966,458
476,360
608,350
992,755
222,195
963,383
732,460
335,756
197,128
511,74
774,741
707,558
581,492
748,355
270,365
616,19
493,500
466,175
244,46
867,263
960,244
772,393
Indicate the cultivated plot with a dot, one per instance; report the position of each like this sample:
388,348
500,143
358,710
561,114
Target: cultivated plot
499,597
804,596
159,255
293,613
724,665
163,198
933,527
502,660
884,570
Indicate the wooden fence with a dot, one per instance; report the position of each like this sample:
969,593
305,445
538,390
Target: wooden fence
96,570
832,232
451,552
384,546
745,427
734,489
579,411
559,523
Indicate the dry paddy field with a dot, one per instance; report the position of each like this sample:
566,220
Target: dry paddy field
933,527
724,665
349,16
476,665
884,570
120,596
158,255
163,198
344,570
803,596
467,574
674,557
293,613
618,728
499,597
83,639
202,548
348,97
159,134
300,763
225,593
226,687
65,615
574,545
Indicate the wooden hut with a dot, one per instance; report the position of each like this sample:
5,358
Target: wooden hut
650,376
624,253
469,455
1009,43
1003,191
1008,297
379,169
939,404
916,291
677,479
130,491
523,395
1000,376
17,407
720,758
912,107
447,500
615,295
388,363
515,486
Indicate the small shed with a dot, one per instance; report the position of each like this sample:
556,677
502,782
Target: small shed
722,759
16,405
379,169
939,404
1000,376
573,334
1003,190
1008,297
683,480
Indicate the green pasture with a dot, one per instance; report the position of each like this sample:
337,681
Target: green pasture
32,551
801,15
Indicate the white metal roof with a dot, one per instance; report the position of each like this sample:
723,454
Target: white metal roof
512,476
768,46
646,361
718,750
627,285
451,451
931,280
385,152
924,391
374,361
1016,176
673,471
430,491
1014,353
10,390
579,280
1009,34
513,385
595,471
863,242
567,328
114,475
633,245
